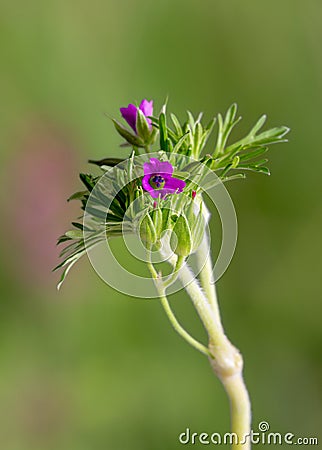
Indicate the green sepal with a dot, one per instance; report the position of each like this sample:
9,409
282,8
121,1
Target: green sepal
127,135
142,127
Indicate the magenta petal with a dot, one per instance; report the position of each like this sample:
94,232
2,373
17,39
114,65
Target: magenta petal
146,107
150,167
130,115
146,183
157,167
174,185
165,167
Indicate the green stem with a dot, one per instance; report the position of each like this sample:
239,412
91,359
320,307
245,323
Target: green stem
174,275
179,329
239,409
173,320
227,364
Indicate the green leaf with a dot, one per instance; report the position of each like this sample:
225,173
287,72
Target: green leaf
155,121
80,226
116,208
225,127
180,142
78,196
226,170
226,158
74,234
121,197
96,212
214,183
191,121
113,218
271,136
255,168
206,133
72,248
176,124
211,124
70,262
258,125
230,115
111,162
235,162
163,132
180,174
62,239
261,162
238,176
88,180
197,138
253,154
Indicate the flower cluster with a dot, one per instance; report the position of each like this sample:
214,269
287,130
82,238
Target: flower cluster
167,182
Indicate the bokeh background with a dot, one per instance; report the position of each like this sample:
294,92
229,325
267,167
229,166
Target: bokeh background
88,368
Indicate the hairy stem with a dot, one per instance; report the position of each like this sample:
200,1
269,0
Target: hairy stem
206,275
227,362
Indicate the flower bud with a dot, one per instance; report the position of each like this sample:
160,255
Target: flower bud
196,224
166,222
156,216
138,118
148,233
181,240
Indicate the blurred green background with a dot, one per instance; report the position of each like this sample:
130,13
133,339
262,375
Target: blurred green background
88,368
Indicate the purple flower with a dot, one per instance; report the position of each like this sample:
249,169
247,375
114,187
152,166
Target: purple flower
131,112
158,179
